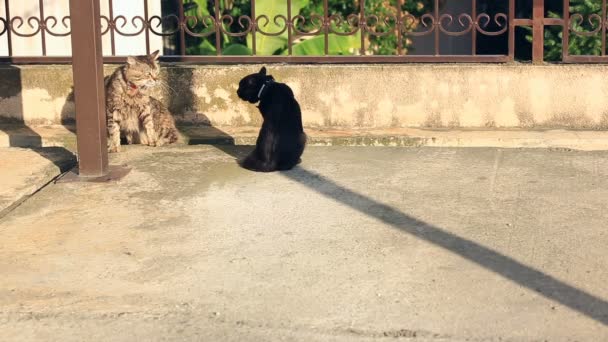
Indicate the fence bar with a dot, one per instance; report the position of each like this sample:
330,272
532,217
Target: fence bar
42,30
8,31
182,32
254,48
538,29
566,31
146,17
87,64
512,26
218,23
112,38
437,27
389,59
326,26
289,29
603,23
399,28
334,59
362,25
474,32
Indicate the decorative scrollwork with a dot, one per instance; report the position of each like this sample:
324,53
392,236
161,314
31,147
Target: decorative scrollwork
483,20
191,22
161,20
229,20
315,20
121,18
426,20
578,20
266,20
3,26
467,26
399,24
389,22
30,20
64,21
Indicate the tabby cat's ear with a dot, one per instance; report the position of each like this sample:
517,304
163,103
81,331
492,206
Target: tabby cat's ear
154,56
263,71
131,60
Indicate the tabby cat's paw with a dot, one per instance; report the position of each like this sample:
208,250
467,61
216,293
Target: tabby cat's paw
114,149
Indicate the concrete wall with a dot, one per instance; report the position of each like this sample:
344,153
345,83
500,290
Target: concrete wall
371,96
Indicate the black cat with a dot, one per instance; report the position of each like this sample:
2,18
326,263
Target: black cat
281,140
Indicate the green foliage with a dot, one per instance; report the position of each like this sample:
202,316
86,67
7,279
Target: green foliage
305,45
577,45
270,45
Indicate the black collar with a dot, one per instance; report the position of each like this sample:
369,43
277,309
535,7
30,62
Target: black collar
264,88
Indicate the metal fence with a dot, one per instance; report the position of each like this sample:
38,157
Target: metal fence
365,25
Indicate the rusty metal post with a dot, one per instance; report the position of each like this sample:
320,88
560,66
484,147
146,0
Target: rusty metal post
538,29
87,64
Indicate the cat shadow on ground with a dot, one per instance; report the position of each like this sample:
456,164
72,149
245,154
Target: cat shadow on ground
13,122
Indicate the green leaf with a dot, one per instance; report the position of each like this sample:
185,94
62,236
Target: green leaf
236,50
203,49
338,45
269,45
201,9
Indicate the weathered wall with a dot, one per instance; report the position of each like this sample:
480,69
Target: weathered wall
415,95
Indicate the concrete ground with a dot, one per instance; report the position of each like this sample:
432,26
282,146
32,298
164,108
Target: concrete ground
357,244
24,171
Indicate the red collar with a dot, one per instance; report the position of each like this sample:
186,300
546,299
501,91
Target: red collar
132,86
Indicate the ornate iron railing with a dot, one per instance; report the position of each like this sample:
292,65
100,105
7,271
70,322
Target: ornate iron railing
365,25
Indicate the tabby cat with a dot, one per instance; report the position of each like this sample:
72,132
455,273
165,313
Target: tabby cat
131,112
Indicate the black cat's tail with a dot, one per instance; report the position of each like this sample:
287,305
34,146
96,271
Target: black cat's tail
252,163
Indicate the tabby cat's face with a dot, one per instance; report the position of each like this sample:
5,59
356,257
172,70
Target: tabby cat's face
143,71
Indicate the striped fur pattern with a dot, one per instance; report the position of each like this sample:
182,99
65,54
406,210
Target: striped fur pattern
132,114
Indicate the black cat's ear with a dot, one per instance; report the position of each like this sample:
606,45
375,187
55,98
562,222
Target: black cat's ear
131,60
263,71
154,55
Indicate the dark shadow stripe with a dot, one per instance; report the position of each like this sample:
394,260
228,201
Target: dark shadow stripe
507,267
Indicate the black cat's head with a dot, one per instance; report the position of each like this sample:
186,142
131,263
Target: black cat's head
249,86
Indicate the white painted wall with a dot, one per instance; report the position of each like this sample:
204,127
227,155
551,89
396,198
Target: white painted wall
61,46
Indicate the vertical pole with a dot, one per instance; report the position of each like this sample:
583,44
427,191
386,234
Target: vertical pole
218,23
603,23
147,23
437,23
112,35
254,49
9,29
474,31
42,31
326,26
362,25
182,24
538,28
566,31
87,64
399,27
289,29
511,30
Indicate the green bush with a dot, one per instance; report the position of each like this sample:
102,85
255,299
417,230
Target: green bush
578,45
